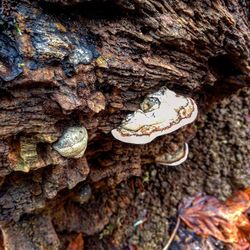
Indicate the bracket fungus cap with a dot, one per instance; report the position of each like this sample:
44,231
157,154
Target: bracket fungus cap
174,159
73,142
161,113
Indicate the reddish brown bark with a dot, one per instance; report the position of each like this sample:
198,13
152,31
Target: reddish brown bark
66,63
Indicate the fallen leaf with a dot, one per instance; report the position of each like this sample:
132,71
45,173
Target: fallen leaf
132,247
226,221
77,243
247,117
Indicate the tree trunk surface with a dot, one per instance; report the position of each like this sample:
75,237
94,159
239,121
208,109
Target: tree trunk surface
69,63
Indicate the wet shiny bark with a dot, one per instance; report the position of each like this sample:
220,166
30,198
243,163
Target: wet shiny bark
65,63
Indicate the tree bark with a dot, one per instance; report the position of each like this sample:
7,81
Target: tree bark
65,63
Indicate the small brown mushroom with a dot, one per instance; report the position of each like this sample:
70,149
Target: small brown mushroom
175,159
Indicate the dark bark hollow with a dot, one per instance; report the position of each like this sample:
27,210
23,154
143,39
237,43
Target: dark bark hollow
69,63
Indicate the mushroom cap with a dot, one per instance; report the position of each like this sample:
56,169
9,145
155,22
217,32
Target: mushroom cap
73,142
161,113
175,159
83,194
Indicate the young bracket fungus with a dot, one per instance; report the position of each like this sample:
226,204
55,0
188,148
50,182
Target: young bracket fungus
73,142
174,159
161,113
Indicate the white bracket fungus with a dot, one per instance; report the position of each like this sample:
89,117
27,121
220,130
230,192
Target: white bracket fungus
73,142
174,159
161,113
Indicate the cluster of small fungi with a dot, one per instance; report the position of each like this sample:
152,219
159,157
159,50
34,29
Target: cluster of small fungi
160,113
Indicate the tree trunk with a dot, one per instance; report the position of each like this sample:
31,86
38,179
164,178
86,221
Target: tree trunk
69,63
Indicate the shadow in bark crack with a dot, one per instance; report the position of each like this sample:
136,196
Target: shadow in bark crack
89,9
224,65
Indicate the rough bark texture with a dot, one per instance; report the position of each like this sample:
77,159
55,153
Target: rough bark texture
65,63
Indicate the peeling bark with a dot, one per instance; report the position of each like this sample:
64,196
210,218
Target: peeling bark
66,63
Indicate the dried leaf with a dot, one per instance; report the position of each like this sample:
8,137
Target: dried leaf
226,221
77,243
132,247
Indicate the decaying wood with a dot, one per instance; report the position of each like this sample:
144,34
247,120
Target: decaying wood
65,63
